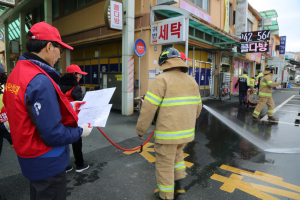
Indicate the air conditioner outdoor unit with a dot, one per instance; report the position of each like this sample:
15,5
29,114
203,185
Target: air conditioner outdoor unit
166,2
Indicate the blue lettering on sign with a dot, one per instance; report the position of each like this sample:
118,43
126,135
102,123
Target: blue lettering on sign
282,44
154,36
154,29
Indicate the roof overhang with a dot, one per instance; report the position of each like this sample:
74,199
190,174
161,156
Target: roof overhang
293,62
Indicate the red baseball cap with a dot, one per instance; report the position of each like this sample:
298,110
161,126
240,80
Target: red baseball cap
44,31
75,69
183,56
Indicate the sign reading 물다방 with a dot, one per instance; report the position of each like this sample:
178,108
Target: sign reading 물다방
168,31
282,45
256,36
255,47
113,15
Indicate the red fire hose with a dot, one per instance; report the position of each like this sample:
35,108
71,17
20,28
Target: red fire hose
137,148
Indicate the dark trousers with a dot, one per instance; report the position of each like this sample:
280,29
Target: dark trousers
77,151
54,188
242,96
4,134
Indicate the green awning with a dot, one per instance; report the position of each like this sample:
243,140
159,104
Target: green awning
269,14
14,30
293,62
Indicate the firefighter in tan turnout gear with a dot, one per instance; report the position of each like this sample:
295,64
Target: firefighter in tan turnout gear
176,97
265,94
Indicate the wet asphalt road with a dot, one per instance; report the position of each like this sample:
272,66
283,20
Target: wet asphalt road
225,165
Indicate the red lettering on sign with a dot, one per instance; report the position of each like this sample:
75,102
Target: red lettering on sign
164,32
175,29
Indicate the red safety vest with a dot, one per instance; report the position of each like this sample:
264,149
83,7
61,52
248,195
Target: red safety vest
27,142
68,94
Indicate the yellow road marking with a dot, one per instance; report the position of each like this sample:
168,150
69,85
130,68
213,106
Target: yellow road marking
235,181
263,177
151,158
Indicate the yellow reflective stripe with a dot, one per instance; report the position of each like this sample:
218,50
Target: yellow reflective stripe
153,98
173,135
263,83
265,94
255,112
269,82
270,111
179,165
164,188
181,101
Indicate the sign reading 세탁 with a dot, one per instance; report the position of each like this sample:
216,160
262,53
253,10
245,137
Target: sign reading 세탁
168,31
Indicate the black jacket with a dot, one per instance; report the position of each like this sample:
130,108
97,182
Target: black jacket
67,82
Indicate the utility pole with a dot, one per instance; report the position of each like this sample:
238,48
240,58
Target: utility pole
128,57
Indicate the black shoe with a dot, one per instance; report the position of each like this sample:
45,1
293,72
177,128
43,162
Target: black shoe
156,194
178,188
272,119
69,168
240,103
82,168
256,119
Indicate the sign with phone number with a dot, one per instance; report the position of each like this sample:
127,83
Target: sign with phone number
256,36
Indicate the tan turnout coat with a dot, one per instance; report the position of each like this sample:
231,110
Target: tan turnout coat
176,97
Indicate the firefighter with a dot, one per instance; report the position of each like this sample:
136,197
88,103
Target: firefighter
176,97
243,83
258,78
265,94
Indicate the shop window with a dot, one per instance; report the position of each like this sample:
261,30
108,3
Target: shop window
114,64
191,31
208,37
199,34
204,4
77,54
71,5
249,25
104,65
55,9
110,49
276,70
91,52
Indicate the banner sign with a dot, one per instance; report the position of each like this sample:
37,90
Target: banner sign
241,17
282,45
168,31
256,36
254,57
195,11
113,15
255,47
9,3
226,25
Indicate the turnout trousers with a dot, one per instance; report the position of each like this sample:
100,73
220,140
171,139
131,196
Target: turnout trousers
169,167
261,104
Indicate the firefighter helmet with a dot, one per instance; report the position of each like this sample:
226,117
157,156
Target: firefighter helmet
168,53
270,67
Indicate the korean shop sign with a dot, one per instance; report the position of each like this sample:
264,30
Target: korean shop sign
256,36
226,25
168,31
113,15
255,47
282,45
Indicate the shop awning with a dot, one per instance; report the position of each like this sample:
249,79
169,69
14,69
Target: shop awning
293,62
213,35
270,20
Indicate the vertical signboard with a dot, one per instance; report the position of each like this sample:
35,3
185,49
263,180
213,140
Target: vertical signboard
168,31
226,24
241,17
282,45
116,19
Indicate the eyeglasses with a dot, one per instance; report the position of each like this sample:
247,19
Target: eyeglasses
58,46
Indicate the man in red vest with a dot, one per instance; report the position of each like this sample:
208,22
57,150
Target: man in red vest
69,85
42,121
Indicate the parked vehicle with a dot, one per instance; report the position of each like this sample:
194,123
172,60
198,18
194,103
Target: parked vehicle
297,79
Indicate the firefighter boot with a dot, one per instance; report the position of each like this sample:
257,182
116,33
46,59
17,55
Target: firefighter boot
272,119
156,194
179,189
256,119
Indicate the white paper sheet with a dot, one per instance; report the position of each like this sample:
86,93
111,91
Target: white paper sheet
97,98
97,116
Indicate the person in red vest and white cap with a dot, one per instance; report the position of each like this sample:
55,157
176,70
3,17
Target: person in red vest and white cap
69,85
42,121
